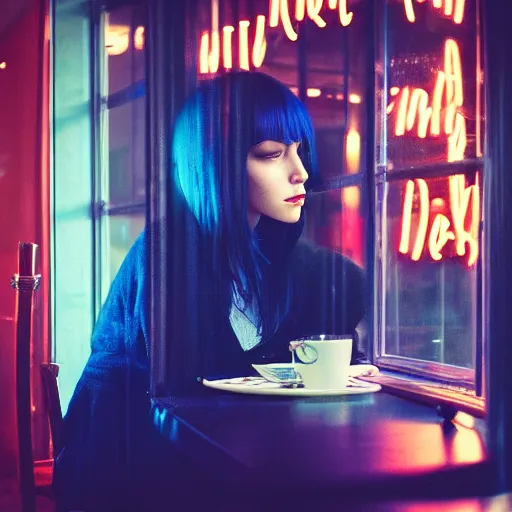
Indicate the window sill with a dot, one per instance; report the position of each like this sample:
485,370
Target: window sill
432,393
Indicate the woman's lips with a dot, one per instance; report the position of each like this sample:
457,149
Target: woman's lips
297,200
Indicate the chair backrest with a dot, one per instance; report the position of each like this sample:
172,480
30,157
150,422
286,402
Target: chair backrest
25,282
49,373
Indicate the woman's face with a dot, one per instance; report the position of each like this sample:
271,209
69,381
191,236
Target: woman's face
275,182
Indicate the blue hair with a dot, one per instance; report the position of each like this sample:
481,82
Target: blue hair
218,125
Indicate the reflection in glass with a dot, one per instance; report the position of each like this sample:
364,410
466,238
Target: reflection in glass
122,231
124,40
126,148
429,285
431,90
335,220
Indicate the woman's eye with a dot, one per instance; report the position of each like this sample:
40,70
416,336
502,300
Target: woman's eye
271,156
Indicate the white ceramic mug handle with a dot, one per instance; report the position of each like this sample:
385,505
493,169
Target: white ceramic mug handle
301,348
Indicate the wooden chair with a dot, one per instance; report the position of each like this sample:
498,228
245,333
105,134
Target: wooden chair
49,374
35,482
25,282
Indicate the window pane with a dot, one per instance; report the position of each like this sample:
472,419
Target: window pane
335,220
431,88
429,274
124,47
126,149
121,232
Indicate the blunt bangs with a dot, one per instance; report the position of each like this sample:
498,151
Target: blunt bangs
280,116
217,127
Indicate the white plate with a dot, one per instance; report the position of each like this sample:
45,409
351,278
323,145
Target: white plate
260,386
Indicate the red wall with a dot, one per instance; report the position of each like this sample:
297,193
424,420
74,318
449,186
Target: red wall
23,210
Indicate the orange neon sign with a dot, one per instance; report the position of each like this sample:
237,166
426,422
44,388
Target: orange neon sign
462,230
279,10
281,14
209,49
453,9
217,44
421,110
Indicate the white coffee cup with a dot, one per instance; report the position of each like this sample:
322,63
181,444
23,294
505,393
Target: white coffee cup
325,360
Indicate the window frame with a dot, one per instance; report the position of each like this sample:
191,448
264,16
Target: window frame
470,379
104,103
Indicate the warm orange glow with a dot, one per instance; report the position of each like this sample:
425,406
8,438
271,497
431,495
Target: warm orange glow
300,9
295,90
243,39
418,107
354,98
259,48
459,205
437,203
468,446
353,151
3,65
313,92
351,197
117,39
227,55
339,96
413,106
439,236
345,16
445,7
313,8
279,14
138,38
402,112
406,218
464,419
209,52
442,230
279,10
209,48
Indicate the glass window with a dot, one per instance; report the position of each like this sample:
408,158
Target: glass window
124,39
430,82
429,281
126,154
122,231
336,220
121,176
428,196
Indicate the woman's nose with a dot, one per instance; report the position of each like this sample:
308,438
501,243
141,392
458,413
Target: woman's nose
299,174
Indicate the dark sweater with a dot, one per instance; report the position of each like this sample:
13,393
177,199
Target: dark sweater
109,440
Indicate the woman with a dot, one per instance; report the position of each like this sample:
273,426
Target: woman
243,285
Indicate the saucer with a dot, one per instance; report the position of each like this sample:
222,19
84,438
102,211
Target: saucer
261,386
280,373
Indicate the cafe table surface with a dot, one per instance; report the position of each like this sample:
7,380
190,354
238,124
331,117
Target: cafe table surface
373,446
